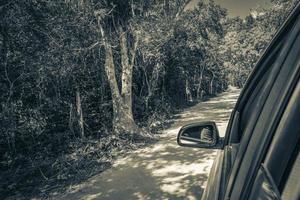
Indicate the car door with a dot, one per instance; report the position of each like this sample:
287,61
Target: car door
261,113
248,111
278,172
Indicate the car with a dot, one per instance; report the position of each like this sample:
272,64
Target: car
259,156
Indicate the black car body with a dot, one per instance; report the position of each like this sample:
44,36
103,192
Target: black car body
259,156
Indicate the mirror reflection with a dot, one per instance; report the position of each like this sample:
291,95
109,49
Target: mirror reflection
201,135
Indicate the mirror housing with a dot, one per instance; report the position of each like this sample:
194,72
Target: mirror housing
200,135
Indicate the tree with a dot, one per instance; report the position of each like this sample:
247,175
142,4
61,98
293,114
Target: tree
246,39
123,121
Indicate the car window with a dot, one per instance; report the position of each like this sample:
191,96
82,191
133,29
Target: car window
285,143
277,91
264,187
278,175
250,105
291,188
258,85
253,107
249,113
279,172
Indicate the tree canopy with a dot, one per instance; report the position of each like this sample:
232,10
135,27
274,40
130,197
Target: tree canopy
58,59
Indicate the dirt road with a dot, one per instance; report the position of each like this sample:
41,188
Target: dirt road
163,170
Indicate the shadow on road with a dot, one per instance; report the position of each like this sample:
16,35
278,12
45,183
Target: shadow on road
163,170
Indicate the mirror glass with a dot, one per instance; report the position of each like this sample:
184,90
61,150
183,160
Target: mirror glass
204,135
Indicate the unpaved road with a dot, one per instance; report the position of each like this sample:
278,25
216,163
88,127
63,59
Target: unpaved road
163,170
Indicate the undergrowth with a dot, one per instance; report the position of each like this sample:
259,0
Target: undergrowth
42,173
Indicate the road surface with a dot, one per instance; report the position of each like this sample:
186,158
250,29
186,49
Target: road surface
163,170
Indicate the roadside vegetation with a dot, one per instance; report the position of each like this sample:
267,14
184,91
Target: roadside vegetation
85,81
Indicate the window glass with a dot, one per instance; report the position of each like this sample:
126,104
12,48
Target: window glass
251,109
291,190
264,187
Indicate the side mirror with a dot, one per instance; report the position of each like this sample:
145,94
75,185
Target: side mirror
201,135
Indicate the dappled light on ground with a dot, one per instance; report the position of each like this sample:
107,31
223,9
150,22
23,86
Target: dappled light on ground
217,109
163,170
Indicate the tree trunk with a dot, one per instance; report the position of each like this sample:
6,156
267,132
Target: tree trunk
71,120
199,91
79,114
188,93
212,84
132,8
126,74
123,122
122,113
126,93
